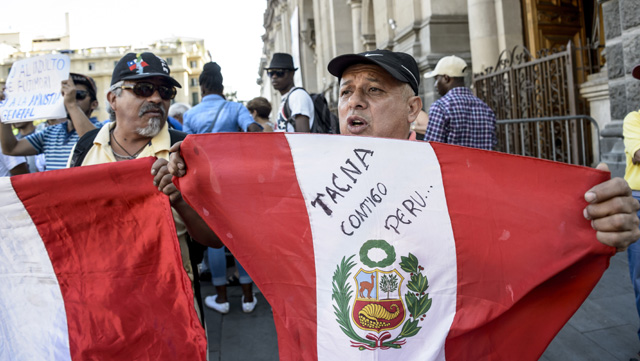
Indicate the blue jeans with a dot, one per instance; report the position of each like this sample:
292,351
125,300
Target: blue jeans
218,266
634,264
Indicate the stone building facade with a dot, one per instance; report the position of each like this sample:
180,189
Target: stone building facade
479,31
622,30
316,31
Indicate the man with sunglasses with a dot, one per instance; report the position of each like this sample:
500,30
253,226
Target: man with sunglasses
56,142
296,112
139,98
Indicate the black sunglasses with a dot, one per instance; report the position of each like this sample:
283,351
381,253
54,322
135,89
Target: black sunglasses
81,94
278,73
146,90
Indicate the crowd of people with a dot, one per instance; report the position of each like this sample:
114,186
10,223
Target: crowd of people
378,96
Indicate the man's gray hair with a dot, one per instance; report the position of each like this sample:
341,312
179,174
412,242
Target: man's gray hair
117,91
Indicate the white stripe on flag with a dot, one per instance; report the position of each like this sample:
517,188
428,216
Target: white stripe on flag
33,326
376,197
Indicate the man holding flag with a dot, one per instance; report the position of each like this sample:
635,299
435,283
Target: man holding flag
481,292
379,98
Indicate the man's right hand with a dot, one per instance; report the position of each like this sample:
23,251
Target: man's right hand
176,166
162,180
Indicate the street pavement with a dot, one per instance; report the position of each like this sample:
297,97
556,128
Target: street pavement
603,329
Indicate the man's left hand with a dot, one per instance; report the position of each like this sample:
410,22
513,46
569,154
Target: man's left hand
612,211
162,180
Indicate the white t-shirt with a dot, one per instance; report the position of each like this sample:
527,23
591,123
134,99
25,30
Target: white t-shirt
300,103
7,163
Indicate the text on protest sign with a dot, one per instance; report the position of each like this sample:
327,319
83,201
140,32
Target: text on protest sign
33,89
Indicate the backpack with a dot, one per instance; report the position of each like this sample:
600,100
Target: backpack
324,121
86,142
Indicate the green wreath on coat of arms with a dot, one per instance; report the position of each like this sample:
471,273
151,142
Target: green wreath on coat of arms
417,300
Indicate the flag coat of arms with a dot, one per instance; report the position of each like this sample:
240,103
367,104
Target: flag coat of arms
90,269
380,249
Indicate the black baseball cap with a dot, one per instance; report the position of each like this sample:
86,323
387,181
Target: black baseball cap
134,66
86,81
401,66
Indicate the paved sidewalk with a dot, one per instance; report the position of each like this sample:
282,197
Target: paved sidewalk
239,336
603,329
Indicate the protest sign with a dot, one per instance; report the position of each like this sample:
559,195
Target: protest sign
33,89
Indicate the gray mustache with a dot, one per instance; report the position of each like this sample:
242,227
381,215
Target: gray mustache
152,107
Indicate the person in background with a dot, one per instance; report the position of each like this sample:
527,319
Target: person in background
420,125
10,166
631,133
296,113
216,115
260,109
177,110
36,162
459,117
57,141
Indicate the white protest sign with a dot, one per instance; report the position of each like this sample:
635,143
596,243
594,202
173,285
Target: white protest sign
33,89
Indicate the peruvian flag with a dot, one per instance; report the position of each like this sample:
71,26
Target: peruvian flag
381,249
90,269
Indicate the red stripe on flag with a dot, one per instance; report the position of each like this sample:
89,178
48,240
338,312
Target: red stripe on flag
238,217
511,306
112,242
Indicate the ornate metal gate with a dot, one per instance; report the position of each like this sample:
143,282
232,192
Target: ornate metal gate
524,87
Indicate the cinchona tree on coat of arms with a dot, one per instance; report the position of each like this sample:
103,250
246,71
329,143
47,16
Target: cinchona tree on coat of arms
379,308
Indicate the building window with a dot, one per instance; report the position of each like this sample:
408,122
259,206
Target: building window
194,64
193,81
194,99
92,66
169,61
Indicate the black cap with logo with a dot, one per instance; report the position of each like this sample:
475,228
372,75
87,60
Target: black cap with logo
134,66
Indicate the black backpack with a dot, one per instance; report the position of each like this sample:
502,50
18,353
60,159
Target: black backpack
323,120
86,142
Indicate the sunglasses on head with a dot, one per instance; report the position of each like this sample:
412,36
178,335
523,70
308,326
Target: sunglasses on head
277,73
81,94
146,90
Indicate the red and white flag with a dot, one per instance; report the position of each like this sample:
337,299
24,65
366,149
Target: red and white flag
90,269
380,249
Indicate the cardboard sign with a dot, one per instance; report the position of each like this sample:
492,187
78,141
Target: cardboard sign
33,89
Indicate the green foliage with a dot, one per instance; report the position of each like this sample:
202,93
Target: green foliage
409,264
389,283
418,283
410,328
342,295
380,244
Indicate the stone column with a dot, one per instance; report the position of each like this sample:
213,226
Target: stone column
596,92
622,33
356,23
483,33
